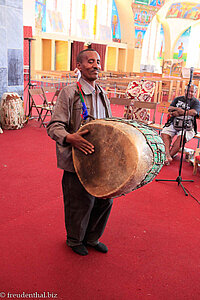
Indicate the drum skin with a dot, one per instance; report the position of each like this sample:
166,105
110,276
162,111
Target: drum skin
120,162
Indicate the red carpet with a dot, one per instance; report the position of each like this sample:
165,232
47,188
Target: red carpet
152,233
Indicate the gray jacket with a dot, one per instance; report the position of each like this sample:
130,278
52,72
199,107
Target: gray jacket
67,119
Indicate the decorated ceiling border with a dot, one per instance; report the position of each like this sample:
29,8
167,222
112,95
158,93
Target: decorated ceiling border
144,11
184,10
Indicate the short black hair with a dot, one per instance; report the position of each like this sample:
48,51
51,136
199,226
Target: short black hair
81,54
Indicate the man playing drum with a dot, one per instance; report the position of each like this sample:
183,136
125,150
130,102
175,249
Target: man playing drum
85,215
174,125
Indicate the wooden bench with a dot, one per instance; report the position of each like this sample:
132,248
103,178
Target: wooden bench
122,102
162,108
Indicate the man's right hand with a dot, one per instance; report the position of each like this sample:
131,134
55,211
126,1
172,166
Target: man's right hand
174,113
79,142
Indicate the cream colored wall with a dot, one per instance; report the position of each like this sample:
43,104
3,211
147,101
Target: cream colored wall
127,31
137,59
130,59
46,54
29,13
126,21
36,54
112,59
53,55
122,60
61,55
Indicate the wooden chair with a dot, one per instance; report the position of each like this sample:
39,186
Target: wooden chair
115,89
162,108
122,102
167,90
39,102
50,94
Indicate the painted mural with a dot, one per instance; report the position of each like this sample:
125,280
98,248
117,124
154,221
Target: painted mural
144,11
40,15
176,69
161,44
184,10
116,30
80,18
172,67
144,2
56,21
139,37
55,16
157,3
181,48
142,18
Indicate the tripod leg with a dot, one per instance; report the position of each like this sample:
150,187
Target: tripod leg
165,180
186,194
188,180
27,115
26,87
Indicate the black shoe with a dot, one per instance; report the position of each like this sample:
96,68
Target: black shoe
101,247
80,249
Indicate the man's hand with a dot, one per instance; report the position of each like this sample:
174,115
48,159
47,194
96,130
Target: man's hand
176,111
79,142
180,111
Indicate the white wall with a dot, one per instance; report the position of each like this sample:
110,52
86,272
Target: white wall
29,13
193,56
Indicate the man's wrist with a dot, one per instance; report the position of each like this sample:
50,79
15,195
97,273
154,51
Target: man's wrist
67,139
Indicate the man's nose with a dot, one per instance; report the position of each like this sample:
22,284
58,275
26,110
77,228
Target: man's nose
95,65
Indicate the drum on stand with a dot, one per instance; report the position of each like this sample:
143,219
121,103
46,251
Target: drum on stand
128,154
12,111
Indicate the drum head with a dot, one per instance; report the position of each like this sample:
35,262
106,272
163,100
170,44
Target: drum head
116,159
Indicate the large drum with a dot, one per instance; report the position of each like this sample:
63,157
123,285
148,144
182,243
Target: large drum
12,111
128,155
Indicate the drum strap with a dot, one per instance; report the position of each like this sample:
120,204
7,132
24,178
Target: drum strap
84,114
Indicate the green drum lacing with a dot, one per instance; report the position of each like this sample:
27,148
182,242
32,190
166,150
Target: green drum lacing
155,143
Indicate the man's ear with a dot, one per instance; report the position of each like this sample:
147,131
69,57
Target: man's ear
78,65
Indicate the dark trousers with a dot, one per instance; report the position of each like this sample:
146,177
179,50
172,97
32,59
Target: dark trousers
85,215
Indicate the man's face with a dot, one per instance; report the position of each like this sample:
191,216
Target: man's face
191,92
90,66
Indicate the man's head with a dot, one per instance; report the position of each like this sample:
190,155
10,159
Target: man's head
191,92
88,62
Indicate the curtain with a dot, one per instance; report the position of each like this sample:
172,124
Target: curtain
76,48
101,49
